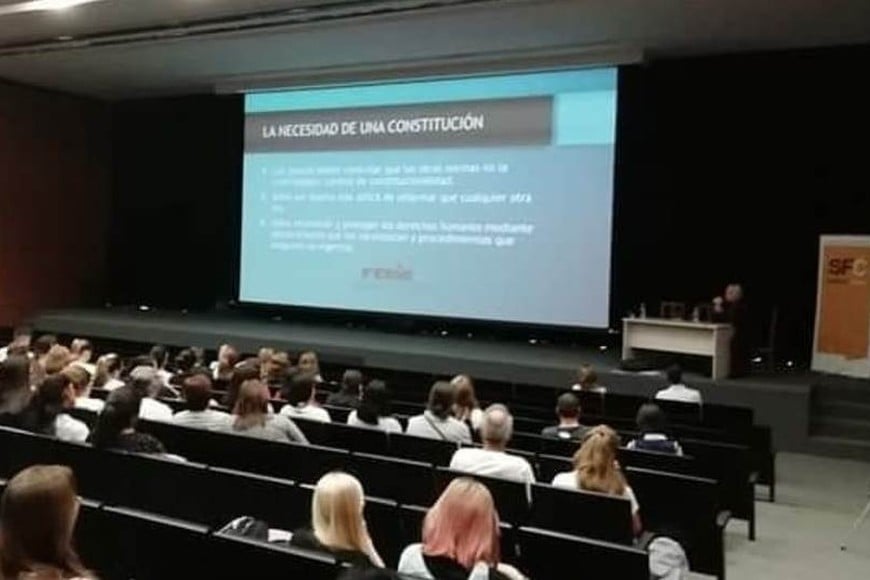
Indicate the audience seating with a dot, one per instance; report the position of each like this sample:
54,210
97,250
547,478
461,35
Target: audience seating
582,513
511,497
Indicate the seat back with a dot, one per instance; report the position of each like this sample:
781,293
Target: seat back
511,497
358,439
435,451
582,513
550,465
235,557
22,448
543,552
406,481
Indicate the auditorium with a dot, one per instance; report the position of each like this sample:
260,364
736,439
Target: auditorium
434,289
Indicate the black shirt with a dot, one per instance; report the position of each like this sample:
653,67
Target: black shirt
343,399
139,443
306,539
557,432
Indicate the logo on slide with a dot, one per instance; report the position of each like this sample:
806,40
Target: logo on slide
380,273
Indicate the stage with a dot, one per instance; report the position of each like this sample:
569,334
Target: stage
780,401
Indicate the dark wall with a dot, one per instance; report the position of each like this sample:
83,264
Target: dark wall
728,169
54,201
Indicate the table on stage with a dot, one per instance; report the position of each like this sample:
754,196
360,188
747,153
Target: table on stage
679,336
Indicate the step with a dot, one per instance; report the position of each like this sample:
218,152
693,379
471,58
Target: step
842,447
852,390
854,429
842,410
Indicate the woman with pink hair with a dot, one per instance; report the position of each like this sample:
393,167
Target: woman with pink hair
460,538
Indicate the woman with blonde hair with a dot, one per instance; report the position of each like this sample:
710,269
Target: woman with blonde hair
460,538
38,513
337,522
596,469
466,408
251,416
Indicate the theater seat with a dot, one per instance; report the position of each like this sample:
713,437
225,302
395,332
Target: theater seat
511,497
435,451
406,481
582,513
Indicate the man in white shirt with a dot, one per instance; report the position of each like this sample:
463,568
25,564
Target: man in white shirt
197,394
492,461
677,391
301,402
147,383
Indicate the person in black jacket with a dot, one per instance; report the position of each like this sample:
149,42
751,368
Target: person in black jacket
653,427
732,309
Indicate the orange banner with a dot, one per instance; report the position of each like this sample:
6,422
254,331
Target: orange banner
844,313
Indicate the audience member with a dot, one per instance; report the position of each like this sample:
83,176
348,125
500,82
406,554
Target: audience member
251,416
147,383
569,427
197,393
108,372
43,344
46,412
82,350
38,515
78,375
350,392
596,469
159,355
466,408
276,370
460,538
436,422
56,359
587,380
309,364
21,338
245,371
300,393
15,391
374,409
653,428
676,390
228,358
116,425
492,460
337,523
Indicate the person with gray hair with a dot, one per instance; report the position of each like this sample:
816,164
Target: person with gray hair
493,460
147,383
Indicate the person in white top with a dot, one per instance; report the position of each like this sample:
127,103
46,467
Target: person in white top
374,409
108,372
46,411
147,383
496,431
587,380
301,402
197,394
308,363
676,390
436,421
21,338
596,469
77,374
466,408
228,358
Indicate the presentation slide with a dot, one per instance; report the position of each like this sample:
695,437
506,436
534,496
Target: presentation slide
486,197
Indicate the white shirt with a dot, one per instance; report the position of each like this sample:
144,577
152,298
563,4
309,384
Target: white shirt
90,404
680,392
208,419
388,424
568,480
4,353
411,563
492,464
310,412
113,384
154,410
593,389
68,428
448,429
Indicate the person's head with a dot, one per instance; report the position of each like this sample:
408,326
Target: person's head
14,383
586,376
308,362
651,419
56,359
595,462
351,381
242,372
263,356
160,355
464,389
300,389
108,368
276,367
568,408
53,394
146,381
228,358
119,415
197,391
733,292
252,405
442,396
81,349
22,335
674,374
497,427
79,377
43,344
374,403
184,361
337,512
38,513
463,525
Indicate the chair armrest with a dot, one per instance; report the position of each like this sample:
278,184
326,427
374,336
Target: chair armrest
722,519
644,540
